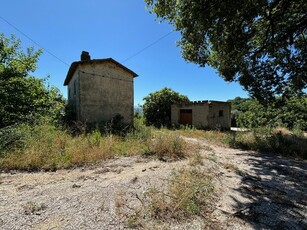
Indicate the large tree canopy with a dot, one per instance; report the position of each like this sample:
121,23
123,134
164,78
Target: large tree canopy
261,44
23,98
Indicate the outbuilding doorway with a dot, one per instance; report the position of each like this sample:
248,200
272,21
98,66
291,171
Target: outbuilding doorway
185,117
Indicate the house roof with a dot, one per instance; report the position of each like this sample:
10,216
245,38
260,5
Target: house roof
74,66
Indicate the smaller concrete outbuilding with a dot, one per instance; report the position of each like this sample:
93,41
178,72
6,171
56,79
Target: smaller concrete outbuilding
203,114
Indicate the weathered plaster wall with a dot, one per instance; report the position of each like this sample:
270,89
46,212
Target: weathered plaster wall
216,121
105,90
205,114
199,114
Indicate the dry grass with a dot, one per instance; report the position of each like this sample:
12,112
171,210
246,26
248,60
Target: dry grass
45,147
48,148
31,208
233,168
189,192
278,141
230,166
169,147
212,136
196,159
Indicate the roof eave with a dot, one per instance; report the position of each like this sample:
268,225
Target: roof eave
74,66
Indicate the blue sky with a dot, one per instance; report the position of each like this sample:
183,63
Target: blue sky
118,29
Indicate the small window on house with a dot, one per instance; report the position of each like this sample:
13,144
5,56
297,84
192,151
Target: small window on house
75,88
221,113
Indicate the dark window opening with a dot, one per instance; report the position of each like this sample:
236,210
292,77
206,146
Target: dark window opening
221,113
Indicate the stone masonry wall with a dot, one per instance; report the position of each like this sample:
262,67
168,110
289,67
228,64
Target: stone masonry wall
105,90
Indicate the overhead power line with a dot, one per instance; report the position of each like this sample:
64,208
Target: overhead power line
59,59
145,48
28,37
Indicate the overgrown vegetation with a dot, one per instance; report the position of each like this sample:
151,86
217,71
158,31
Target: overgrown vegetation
169,146
24,98
189,192
290,113
157,106
279,141
46,147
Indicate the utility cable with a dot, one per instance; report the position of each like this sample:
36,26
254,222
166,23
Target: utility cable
47,51
145,48
59,59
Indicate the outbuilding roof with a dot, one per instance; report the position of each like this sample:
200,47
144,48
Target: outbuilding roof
74,66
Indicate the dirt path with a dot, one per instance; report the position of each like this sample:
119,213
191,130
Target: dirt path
255,191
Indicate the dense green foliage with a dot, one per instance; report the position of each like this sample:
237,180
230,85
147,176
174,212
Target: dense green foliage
262,44
157,106
291,113
23,98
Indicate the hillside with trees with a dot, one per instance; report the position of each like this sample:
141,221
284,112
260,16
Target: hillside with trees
291,113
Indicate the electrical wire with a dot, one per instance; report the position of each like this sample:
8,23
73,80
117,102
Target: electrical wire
145,48
28,37
59,59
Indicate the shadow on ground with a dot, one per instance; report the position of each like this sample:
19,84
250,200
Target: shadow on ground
277,189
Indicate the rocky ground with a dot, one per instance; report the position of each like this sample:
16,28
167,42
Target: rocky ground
253,191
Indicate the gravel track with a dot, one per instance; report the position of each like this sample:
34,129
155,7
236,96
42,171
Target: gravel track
254,191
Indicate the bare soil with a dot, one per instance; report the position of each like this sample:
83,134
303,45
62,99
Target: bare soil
253,191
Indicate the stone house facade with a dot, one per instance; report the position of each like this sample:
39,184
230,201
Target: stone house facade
99,89
203,114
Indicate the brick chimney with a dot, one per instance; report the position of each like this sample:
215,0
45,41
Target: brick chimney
85,56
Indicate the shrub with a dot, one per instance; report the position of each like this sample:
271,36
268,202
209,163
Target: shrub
278,141
168,147
13,137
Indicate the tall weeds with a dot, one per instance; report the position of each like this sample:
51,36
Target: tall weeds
278,141
49,148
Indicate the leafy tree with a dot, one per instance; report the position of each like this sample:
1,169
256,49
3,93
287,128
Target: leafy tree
24,98
157,106
262,44
250,113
